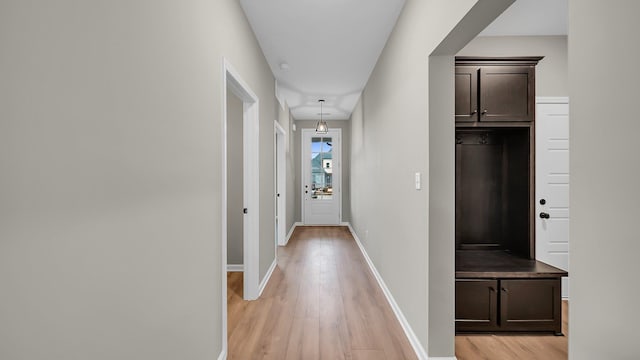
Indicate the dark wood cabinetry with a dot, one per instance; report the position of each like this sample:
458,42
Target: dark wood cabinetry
499,285
523,305
495,90
530,305
476,304
467,93
499,292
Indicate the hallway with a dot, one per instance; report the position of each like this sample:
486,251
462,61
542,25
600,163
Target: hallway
322,302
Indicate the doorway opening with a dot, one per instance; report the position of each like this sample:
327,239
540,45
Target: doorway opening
240,198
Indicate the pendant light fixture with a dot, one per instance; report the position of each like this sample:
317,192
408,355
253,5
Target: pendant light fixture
321,126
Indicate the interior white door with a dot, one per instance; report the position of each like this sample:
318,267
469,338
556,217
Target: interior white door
321,177
552,184
281,190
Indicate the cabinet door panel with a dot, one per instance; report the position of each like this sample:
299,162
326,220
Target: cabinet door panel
476,304
466,93
530,305
507,93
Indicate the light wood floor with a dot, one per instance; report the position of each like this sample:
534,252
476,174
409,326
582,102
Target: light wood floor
521,347
322,302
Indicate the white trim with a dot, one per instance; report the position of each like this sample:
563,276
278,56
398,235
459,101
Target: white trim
280,174
293,227
223,354
443,358
232,80
413,339
251,190
279,128
235,267
267,277
552,100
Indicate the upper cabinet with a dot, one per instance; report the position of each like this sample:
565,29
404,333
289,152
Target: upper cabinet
495,90
467,93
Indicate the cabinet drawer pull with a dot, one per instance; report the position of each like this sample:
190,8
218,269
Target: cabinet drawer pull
484,111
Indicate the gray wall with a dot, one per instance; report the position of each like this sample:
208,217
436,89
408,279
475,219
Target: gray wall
408,233
605,200
235,182
111,157
552,77
345,125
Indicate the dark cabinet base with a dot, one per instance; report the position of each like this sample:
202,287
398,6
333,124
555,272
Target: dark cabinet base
531,305
524,305
476,305
499,292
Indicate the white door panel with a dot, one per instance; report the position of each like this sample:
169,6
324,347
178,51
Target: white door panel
321,177
557,196
557,159
552,184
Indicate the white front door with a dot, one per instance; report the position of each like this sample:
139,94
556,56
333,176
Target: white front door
552,184
321,171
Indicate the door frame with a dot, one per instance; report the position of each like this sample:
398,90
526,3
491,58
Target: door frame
231,79
338,193
280,155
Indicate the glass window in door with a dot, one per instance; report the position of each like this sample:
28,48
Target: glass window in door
321,168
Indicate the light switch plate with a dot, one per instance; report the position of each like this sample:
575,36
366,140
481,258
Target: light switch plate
418,181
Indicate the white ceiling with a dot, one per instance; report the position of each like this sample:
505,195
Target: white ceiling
331,46
531,17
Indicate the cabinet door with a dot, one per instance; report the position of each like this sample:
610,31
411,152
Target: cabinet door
467,93
530,305
507,93
476,305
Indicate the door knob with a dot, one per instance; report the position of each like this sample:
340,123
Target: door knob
544,215
543,201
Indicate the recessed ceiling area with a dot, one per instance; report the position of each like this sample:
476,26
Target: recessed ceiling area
329,47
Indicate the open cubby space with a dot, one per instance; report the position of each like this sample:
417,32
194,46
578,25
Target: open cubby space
493,190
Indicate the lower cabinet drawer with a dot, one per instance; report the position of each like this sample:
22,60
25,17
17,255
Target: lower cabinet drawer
522,305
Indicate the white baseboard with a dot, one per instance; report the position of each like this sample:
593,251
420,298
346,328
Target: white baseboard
235,267
264,281
293,227
223,355
443,358
413,339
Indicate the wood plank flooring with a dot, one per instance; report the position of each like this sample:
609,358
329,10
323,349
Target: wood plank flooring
322,302
521,347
